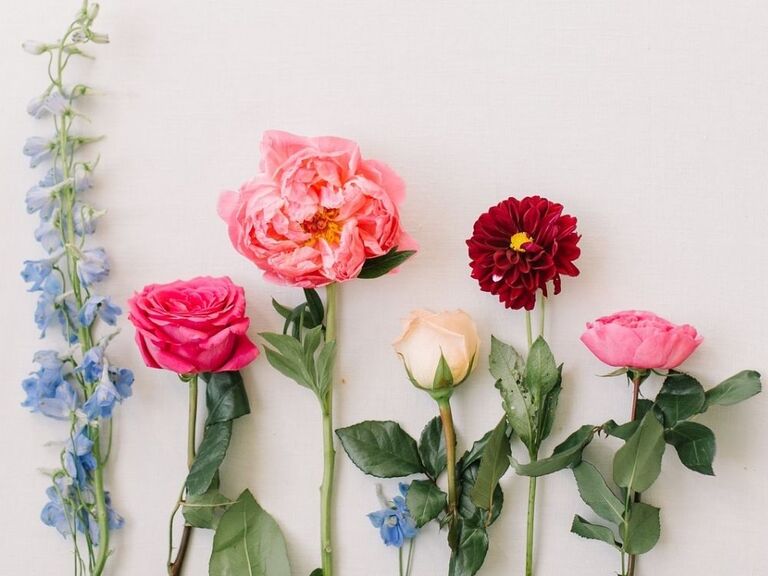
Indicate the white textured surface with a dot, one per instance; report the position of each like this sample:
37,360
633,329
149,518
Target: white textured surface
648,120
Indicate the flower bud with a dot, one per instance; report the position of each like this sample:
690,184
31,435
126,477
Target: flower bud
93,11
35,48
438,350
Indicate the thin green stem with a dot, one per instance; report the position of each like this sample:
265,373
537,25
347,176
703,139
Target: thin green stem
400,560
632,496
329,452
529,536
409,563
446,418
528,329
542,315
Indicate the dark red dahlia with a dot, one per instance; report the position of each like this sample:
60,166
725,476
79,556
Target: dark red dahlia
519,246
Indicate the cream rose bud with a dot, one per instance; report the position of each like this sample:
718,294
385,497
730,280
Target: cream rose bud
428,335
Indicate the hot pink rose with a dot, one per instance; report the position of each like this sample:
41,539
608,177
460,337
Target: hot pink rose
316,211
194,326
641,340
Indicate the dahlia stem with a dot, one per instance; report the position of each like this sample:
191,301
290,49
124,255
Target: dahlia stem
528,329
530,529
633,497
329,453
542,316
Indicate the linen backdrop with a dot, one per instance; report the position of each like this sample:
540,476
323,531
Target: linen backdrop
646,119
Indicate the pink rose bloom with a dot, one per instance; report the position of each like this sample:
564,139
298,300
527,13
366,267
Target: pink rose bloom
316,211
194,326
641,340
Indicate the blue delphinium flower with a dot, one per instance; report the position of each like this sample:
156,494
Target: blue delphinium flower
395,523
51,103
84,218
93,364
48,233
38,149
102,401
48,311
102,307
93,266
54,512
62,403
122,378
37,271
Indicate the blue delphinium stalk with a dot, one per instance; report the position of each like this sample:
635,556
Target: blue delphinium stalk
396,526
78,385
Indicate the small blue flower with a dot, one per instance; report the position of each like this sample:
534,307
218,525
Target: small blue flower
62,404
102,307
48,311
92,266
49,234
78,458
38,149
37,271
102,401
85,218
53,513
122,378
43,199
53,103
92,367
395,523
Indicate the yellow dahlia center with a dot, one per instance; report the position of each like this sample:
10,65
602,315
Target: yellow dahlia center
517,241
323,225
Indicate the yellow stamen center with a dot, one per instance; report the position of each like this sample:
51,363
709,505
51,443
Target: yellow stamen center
517,241
323,225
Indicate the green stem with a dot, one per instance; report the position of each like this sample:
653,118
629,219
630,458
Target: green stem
329,453
450,451
530,529
400,560
543,315
101,509
528,329
409,562
632,496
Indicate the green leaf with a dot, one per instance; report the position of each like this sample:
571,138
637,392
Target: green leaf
680,397
566,454
317,572
425,501
549,408
541,372
432,448
225,397
381,449
326,360
205,510
375,267
248,542
637,464
623,431
468,511
474,454
471,551
642,531
284,311
493,464
596,494
586,529
209,457
695,445
315,306
288,358
735,389
507,366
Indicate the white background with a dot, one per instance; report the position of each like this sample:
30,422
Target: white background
647,120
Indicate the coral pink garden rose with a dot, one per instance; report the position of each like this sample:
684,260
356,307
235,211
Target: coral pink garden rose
194,326
316,212
641,340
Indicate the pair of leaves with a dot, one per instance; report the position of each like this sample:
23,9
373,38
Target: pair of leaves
380,265
640,529
226,400
248,541
566,454
529,390
303,359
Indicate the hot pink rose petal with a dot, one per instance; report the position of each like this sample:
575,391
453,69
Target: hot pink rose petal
192,326
640,340
316,212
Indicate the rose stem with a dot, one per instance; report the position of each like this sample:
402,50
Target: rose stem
450,451
636,381
174,568
329,454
